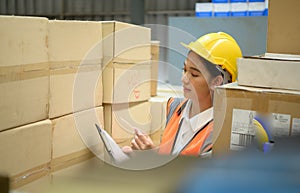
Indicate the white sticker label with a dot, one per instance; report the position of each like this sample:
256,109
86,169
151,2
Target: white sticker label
296,126
242,131
280,124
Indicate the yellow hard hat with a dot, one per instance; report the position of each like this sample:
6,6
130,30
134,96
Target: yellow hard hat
218,48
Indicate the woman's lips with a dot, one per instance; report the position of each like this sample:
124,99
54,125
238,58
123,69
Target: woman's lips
185,89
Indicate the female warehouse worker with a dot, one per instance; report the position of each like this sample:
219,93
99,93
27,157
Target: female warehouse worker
211,62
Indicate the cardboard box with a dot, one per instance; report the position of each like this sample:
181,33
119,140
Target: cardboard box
24,71
234,106
121,119
270,71
125,42
26,152
23,40
126,82
74,42
74,89
73,135
283,28
158,118
154,66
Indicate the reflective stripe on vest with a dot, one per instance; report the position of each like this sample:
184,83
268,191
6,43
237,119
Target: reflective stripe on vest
195,146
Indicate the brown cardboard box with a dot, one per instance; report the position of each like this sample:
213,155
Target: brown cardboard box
154,66
121,119
74,89
126,82
24,71
125,42
26,152
75,56
283,27
233,105
73,135
270,71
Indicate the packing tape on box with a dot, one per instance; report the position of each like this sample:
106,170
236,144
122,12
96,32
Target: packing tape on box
75,69
23,72
29,175
75,63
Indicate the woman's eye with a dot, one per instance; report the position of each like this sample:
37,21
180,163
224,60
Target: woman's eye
194,75
183,69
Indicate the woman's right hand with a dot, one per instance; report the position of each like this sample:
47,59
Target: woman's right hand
141,141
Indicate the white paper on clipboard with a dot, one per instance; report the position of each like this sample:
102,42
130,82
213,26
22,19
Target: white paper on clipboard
112,147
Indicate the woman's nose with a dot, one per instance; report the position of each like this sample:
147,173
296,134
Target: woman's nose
184,78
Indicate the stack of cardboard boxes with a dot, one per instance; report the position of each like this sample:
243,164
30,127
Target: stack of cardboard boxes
59,78
266,84
26,131
126,79
75,96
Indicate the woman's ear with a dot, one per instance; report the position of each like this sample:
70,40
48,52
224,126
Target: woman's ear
217,81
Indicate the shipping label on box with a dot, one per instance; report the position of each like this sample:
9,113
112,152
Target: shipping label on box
121,119
74,89
125,42
26,151
270,71
123,83
243,129
234,105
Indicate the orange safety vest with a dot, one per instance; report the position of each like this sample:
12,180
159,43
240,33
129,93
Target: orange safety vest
198,143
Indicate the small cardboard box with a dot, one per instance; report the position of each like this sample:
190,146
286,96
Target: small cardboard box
126,82
121,119
270,71
74,89
235,105
283,28
26,152
73,135
24,71
125,42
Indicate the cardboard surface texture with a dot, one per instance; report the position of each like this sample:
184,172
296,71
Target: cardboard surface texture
26,151
23,40
283,28
126,82
125,42
73,41
121,119
73,135
24,72
231,101
74,89
270,71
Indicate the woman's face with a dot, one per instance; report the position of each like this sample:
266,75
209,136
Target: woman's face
195,78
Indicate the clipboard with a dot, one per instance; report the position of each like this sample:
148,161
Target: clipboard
111,147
